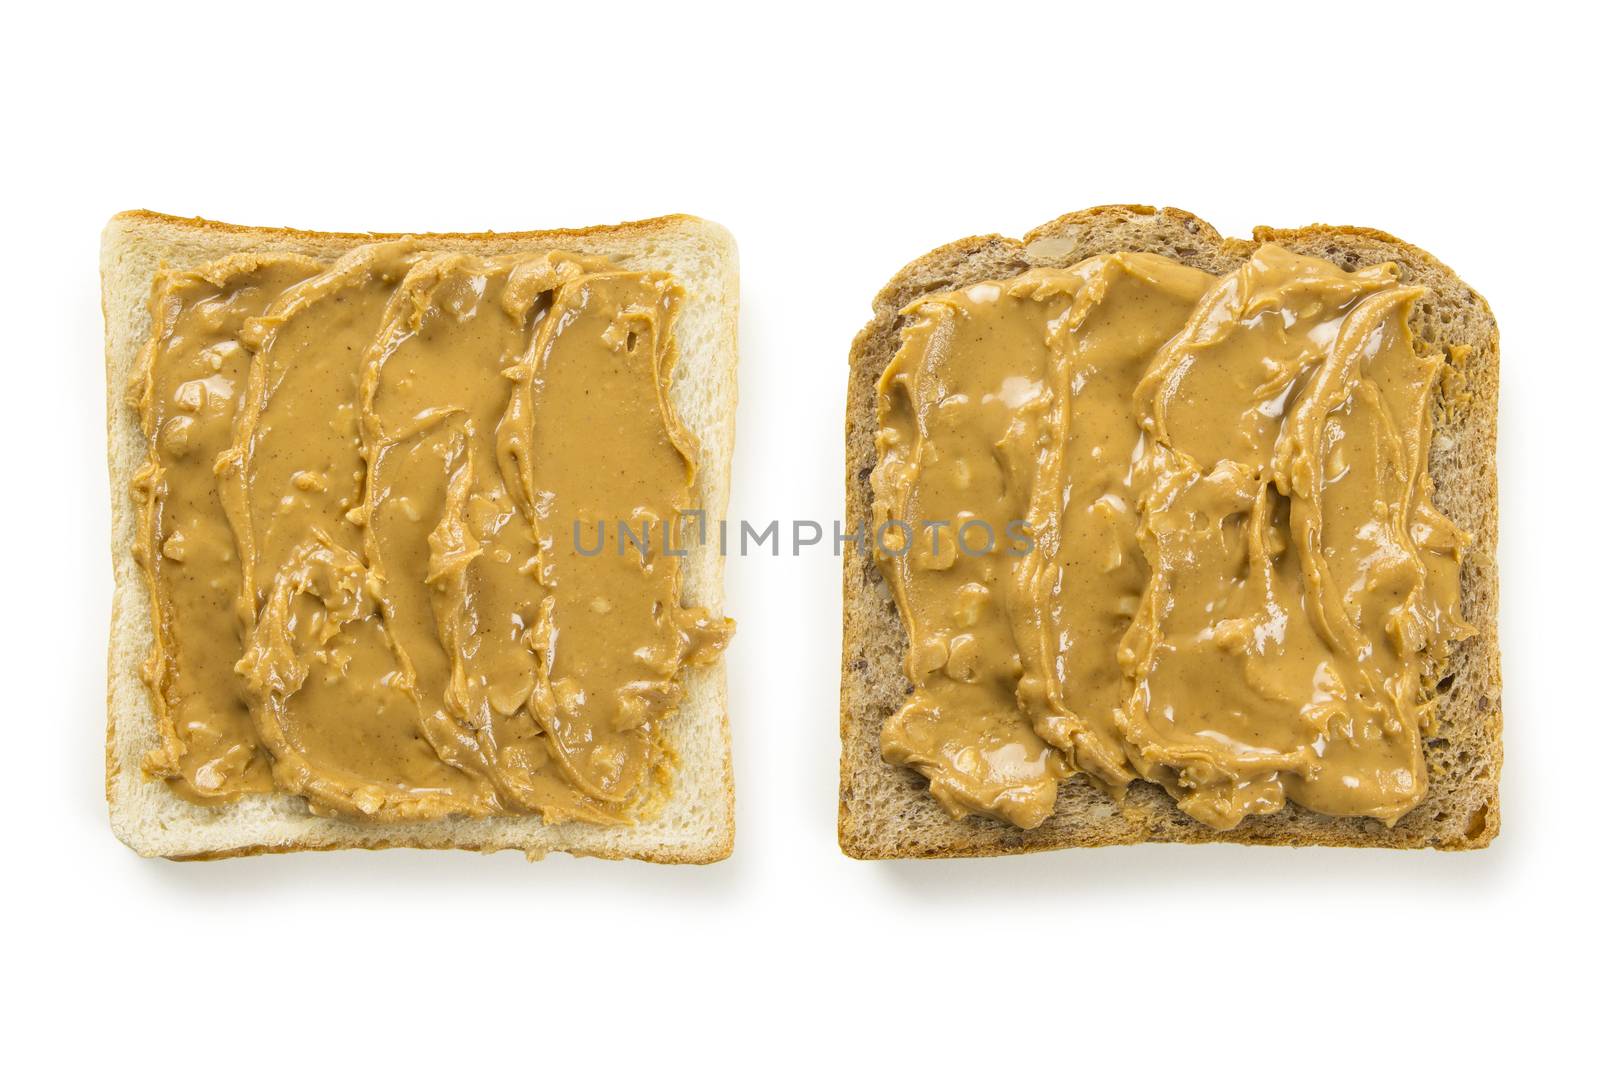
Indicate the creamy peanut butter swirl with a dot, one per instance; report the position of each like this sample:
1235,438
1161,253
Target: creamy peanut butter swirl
357,527
1230,577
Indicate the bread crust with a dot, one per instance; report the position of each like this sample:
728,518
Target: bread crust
885,812
131,240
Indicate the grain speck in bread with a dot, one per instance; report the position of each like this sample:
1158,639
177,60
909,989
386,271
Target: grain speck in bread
695,825
886,812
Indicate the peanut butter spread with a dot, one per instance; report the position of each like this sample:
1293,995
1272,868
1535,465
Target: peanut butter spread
1142,522
359,526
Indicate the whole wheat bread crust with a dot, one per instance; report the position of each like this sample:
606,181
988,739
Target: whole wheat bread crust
886,811
187,242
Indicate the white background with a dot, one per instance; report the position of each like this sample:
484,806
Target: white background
836,143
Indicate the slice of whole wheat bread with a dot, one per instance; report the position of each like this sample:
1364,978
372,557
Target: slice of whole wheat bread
886,812
695,825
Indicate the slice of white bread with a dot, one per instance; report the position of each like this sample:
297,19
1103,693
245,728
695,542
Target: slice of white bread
886,811
695,825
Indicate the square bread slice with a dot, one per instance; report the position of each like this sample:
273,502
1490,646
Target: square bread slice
694,826
886,812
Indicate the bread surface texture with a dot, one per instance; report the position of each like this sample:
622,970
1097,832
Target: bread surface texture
696,822
886,811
